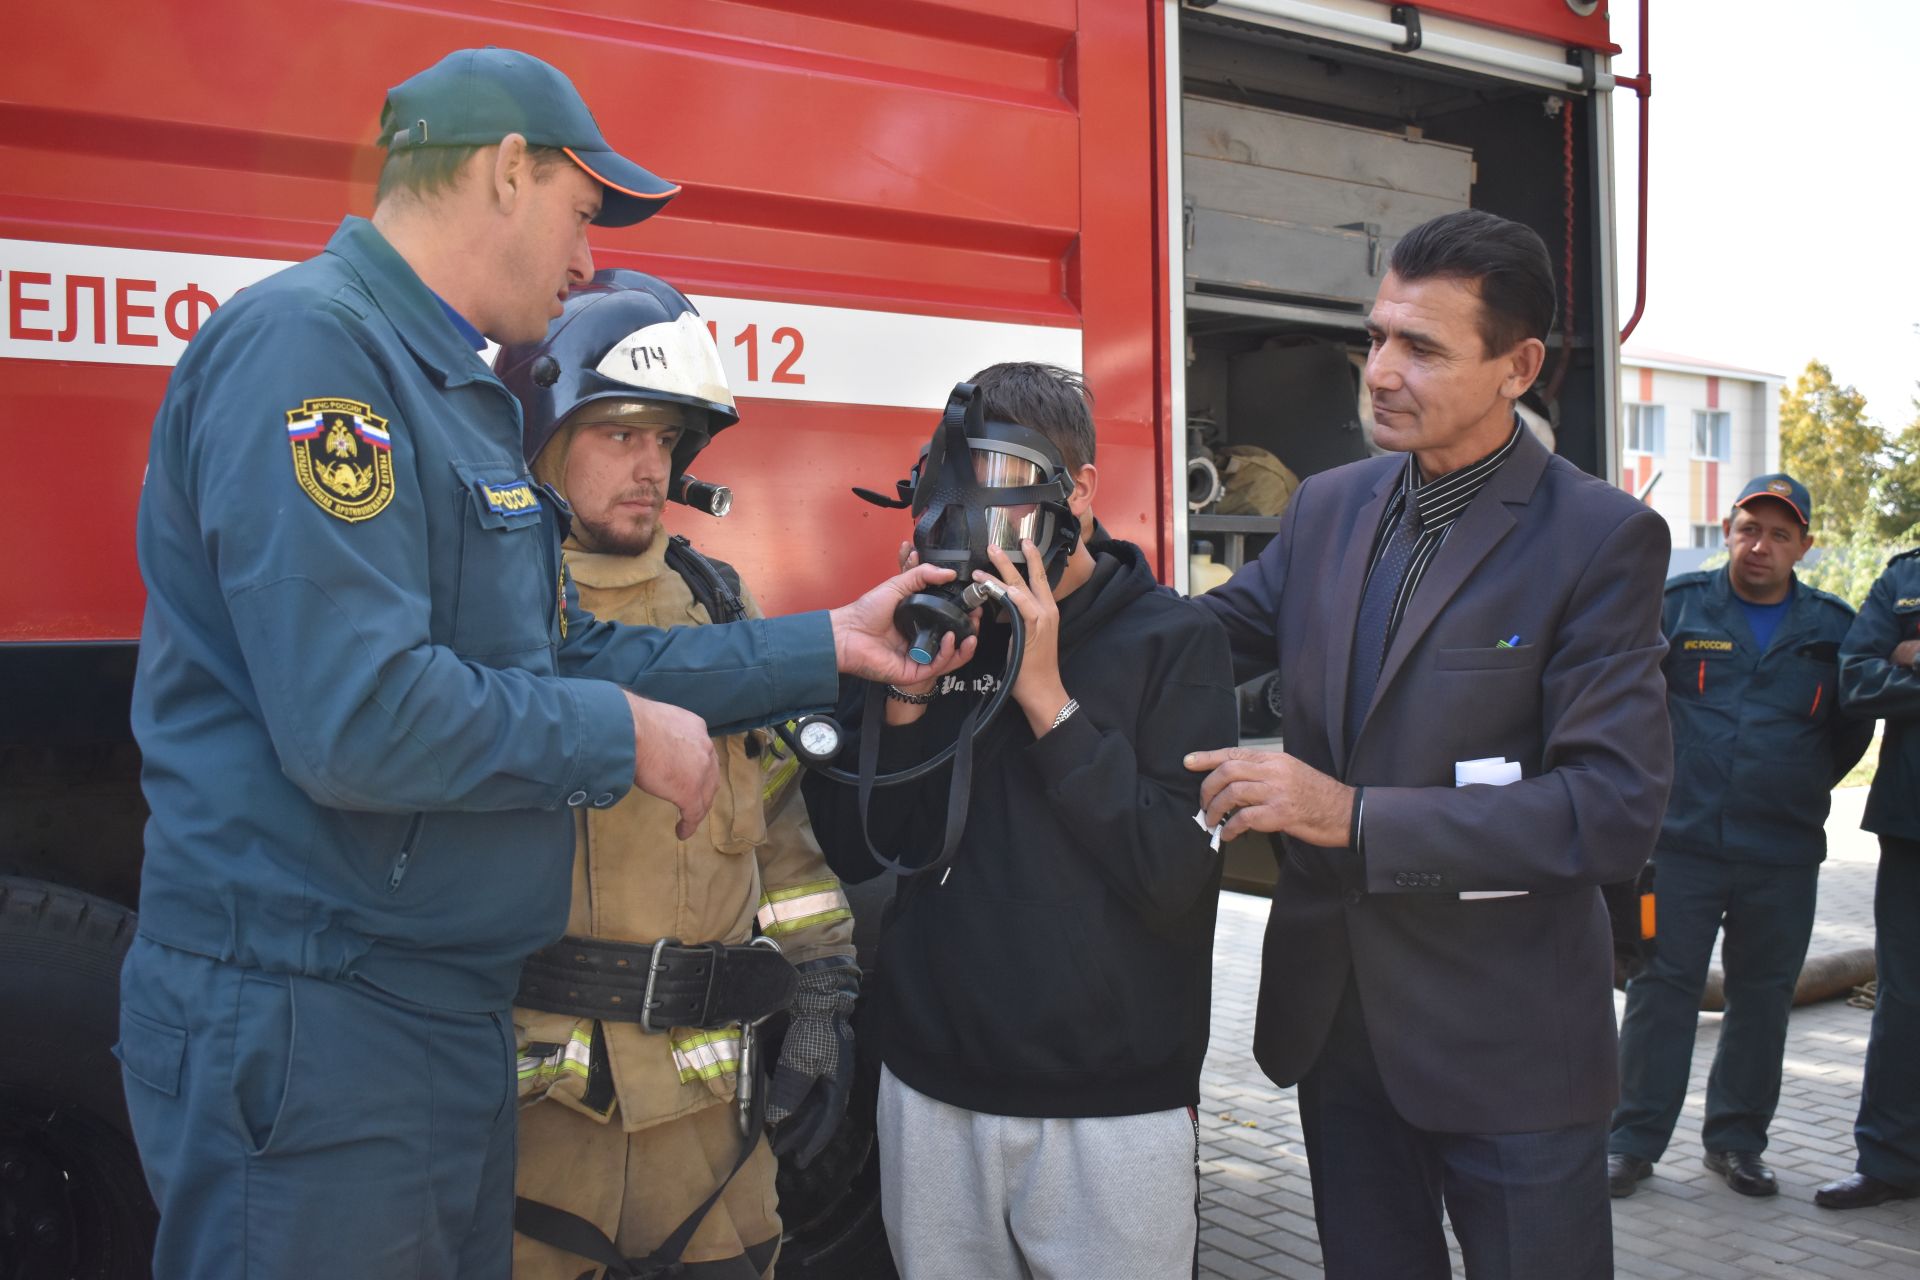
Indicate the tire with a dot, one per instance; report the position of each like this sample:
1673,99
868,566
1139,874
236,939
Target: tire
831,1209
73,1202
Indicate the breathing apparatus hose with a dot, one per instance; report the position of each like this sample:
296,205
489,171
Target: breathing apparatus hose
723,604
979,717
991,708
948,498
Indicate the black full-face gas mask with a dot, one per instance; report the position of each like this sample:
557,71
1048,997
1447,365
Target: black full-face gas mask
980,482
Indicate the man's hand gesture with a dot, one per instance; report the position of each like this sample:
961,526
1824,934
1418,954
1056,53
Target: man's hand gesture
1254,790
1038,689
673,758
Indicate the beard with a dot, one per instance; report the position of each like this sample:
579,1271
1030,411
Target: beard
627,537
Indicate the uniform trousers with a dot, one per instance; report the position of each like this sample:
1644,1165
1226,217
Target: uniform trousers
296,1127
638,1187
1887,1131
972,1196
1524,1206
1767,913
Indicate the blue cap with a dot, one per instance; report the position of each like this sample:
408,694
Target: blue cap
1781,487
476,97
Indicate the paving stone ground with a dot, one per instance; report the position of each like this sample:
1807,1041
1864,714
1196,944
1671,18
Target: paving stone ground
1682,1224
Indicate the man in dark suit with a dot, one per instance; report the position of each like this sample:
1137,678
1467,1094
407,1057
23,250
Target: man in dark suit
1437,969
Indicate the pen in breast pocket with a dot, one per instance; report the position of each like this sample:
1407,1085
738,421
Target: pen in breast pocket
1509,643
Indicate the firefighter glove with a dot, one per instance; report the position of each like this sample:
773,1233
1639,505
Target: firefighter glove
807,1095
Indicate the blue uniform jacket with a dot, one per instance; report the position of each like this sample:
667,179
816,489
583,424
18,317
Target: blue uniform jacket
1759,739
366,695
1871,686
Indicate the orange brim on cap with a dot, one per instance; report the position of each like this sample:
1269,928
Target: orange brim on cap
1791,505
627,202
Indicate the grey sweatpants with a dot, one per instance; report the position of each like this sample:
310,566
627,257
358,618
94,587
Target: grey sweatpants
972,1196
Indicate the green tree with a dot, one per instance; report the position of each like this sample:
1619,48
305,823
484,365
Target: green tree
1828,445
1847,566
1898,492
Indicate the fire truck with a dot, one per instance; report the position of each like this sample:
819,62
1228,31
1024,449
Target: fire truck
1192,201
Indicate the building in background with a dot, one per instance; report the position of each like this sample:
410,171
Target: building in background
1692,432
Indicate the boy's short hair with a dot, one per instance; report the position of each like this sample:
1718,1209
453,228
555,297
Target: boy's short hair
1045,398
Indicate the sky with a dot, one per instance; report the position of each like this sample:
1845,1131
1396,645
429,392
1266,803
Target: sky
1784,192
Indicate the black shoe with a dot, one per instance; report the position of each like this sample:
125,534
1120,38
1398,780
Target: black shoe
1623,1171
1859,1191
1744,1171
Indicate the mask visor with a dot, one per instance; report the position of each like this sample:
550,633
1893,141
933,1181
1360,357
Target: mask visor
1006,526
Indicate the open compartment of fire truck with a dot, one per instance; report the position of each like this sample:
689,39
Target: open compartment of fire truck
1300,164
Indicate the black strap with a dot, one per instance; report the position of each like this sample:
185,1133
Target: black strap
715,586
958,790
711,590
574,1234
707,580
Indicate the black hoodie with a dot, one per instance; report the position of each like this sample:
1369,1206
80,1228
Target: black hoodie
1062,964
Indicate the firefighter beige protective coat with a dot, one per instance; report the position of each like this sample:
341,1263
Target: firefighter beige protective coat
634,882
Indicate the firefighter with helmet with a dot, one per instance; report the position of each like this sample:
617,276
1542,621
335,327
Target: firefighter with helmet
641,1130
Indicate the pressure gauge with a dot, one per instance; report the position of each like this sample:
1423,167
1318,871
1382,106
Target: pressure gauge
819,738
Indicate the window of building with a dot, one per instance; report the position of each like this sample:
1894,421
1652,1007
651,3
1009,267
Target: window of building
1707,536
1711,435
1646,430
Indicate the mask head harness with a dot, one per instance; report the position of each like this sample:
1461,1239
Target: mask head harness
979,482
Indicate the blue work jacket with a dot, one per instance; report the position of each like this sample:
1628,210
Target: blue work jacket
1759,737
1871,687
367,695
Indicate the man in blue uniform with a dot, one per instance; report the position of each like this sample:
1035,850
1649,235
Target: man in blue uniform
1759,741
369,704
1878,677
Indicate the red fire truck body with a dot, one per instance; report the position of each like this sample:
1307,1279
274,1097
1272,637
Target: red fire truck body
880,196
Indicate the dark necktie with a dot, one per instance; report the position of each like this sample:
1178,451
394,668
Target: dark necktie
1376,612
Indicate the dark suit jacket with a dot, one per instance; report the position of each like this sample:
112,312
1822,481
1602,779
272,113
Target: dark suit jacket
1491,1015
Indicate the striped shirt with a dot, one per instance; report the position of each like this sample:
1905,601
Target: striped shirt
1436,504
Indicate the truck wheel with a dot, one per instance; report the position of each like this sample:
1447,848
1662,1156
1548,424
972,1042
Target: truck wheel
73,1202
831,1208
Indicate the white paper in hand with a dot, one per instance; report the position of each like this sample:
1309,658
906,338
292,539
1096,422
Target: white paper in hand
1200,820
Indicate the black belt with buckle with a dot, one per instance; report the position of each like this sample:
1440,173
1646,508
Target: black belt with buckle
659,985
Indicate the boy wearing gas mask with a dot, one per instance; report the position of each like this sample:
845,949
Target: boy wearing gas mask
1040,1001
641,1133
